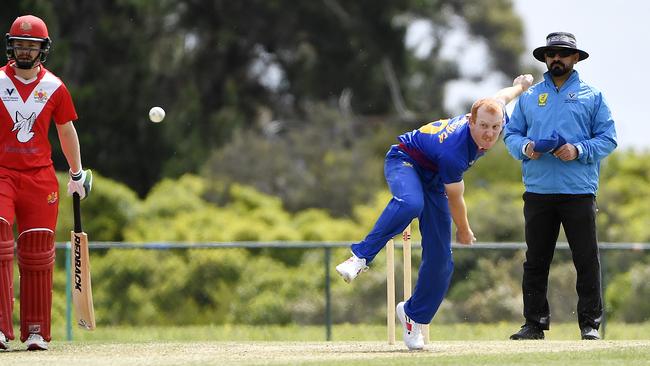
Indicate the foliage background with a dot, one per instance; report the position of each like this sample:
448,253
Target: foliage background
278,117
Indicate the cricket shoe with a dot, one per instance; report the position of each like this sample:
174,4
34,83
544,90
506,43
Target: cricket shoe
351,268
4,342
35,342
528,331
412,331
589,333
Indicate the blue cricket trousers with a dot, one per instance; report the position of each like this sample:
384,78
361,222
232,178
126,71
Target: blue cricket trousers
416,193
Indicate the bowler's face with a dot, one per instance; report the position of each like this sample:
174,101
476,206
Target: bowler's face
486,128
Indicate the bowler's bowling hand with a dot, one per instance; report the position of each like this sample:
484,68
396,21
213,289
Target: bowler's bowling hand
525,81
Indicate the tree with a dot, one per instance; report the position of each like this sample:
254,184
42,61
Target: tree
223,67
352,55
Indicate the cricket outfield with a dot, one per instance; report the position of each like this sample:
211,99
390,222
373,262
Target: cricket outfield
634,352
354,344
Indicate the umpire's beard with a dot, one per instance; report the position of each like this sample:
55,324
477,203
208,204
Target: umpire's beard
557,69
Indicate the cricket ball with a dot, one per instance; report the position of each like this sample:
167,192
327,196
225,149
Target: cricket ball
156,114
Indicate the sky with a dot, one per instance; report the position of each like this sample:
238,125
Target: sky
615,34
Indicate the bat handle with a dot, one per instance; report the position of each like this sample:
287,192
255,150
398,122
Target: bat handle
76,209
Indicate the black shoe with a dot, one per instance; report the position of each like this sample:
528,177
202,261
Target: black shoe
529,331
589,333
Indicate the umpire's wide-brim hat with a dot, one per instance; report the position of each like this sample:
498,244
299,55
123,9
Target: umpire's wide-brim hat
559,40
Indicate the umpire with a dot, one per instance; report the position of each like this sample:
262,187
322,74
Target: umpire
560,129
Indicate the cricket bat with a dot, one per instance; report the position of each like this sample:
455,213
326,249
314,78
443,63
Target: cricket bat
82,294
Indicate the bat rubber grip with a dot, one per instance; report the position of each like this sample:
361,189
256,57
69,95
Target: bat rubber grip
76,208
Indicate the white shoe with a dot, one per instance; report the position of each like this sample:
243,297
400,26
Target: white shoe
36,343
412,331
4,342
351,268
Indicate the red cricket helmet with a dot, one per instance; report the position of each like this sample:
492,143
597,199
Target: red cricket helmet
28,28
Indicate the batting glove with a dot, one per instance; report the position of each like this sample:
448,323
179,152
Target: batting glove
80,183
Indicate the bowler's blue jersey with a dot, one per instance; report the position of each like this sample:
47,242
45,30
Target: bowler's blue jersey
444,146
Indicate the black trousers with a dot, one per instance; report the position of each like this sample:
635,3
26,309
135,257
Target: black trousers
543,214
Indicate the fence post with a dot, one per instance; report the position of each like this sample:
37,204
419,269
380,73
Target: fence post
68,292
390,290
603,286
328,297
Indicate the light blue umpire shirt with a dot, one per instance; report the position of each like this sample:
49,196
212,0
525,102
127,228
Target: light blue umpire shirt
579,113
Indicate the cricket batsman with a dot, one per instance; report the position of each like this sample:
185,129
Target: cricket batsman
32,97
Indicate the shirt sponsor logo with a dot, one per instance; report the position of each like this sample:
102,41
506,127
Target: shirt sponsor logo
541,99
451,128
22,150
9,96
571,98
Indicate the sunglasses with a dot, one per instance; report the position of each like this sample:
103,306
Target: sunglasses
562,53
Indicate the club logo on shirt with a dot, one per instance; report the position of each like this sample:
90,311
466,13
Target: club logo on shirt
52,197
434,127
541,99
40,96
24,126
442,127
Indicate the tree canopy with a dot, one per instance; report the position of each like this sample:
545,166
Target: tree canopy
257,70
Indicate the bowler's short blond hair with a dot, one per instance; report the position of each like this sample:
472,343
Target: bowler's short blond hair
490,105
